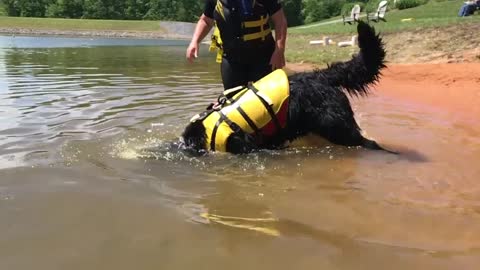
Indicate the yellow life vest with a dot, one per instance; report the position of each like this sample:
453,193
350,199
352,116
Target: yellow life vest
252,109
254,28
216,44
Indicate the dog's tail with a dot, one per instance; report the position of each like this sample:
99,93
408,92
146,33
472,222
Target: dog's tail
364,68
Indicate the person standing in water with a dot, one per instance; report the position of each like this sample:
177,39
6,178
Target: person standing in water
246,47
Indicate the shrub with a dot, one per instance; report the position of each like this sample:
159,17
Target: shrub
3,12
314,10
25,8
65,9
293,12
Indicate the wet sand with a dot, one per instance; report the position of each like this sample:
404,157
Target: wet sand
453,88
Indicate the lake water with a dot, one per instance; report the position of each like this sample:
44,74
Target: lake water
87,180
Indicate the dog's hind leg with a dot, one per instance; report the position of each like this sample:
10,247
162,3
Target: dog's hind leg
340,134
347,135
373,145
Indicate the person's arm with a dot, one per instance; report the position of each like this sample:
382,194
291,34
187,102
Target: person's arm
280,23
204,26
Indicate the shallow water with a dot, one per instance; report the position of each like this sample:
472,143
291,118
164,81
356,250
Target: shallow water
87,180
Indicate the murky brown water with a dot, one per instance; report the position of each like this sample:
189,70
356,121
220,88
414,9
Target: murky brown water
78,190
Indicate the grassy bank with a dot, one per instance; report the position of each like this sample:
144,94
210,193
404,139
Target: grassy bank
432,14
433,28
78,24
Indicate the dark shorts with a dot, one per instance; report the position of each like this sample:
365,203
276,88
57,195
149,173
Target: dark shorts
235,73
248,65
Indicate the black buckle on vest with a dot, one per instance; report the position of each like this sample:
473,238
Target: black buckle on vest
222,100
217,106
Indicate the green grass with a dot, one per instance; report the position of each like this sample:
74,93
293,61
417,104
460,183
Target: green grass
299,50
79,24
432,14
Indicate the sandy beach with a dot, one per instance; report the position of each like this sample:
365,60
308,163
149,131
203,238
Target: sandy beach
452,87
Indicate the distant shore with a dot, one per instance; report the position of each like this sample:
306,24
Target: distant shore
450,44
95,28
91,33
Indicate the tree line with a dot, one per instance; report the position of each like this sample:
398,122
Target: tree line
177,10
297,11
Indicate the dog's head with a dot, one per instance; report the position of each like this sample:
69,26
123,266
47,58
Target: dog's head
194,138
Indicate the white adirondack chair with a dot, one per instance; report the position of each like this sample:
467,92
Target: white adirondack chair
379,14
354,15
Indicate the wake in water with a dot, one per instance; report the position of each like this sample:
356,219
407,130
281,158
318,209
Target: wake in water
150,147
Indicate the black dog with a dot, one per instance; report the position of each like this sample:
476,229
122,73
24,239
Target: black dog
318,103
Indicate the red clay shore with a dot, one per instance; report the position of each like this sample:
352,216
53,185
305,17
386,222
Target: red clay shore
452,87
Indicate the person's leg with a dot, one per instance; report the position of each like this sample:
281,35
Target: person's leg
260,66
462,10
233,73
258,71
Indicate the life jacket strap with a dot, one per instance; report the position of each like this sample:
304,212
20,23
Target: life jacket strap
203,115
223,117
267,106
264,29
249,121
233,95
216,44
219,8
257,23
262,34
233,91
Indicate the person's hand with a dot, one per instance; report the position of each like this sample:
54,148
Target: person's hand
192,52
278,59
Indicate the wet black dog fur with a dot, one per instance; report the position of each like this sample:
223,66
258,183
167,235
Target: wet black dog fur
318,103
